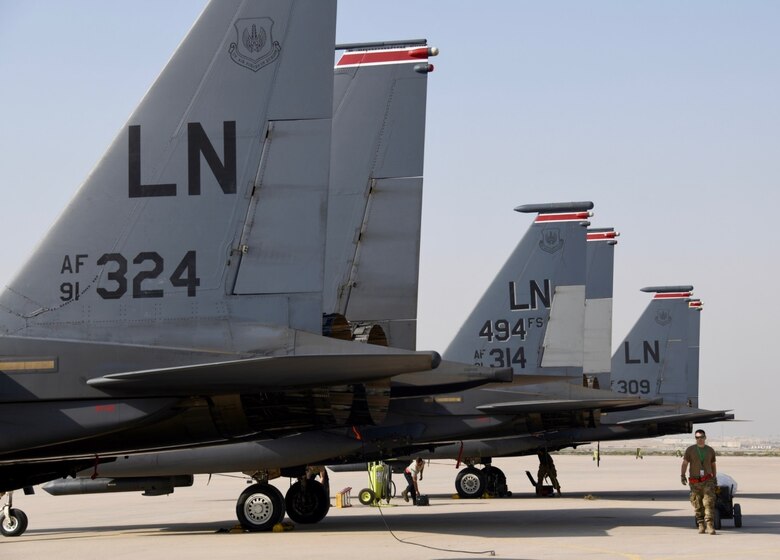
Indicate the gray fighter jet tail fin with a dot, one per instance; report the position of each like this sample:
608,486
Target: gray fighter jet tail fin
210,203
375,199
531,318
598,307
660,355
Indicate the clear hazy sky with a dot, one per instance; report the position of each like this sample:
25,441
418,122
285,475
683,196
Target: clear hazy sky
666,114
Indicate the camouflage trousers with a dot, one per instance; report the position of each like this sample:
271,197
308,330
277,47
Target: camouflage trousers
703,501
550,472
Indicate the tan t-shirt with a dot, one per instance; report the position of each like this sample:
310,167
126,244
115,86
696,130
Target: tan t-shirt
698,467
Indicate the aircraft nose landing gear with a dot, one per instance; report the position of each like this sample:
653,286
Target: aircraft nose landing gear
13,522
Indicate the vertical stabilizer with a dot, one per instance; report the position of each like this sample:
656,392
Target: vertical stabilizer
694,344
659,356
598,306
200,212
375,198
532,315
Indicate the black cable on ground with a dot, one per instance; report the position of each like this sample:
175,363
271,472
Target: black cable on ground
457,551
382,515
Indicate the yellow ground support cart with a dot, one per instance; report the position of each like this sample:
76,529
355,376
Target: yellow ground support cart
380,484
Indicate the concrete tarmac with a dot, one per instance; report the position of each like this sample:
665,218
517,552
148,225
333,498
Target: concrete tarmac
627,508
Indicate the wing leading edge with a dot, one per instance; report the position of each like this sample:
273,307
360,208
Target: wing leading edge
268,373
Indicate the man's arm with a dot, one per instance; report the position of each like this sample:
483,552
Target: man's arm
683,468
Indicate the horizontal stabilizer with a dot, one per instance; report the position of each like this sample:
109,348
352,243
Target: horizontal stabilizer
526,407
252,375
697,415
449,377
531,379
415,385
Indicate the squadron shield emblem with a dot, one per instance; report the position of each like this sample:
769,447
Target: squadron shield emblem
254,46
551,240
663,317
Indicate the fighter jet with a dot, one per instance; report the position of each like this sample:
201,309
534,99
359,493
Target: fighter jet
178,299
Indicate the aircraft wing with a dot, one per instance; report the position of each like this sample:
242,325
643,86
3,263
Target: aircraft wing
698,416
267,373
543,405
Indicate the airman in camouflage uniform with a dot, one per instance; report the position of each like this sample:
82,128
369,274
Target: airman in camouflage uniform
702,480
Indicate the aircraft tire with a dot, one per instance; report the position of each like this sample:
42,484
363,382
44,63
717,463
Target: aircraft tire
495,481
260,507
470,483
737,516
13,525
307,506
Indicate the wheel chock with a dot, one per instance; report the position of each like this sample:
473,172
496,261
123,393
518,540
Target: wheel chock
283,526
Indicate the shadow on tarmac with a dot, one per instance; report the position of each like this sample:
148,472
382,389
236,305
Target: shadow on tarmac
568,520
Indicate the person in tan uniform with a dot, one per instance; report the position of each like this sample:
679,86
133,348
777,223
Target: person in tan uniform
546,470
702,480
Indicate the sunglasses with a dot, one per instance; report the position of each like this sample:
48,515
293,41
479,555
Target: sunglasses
701,437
